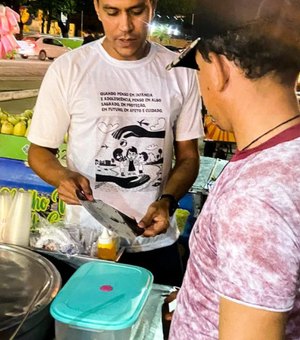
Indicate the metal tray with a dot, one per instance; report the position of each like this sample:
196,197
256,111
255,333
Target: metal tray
73,260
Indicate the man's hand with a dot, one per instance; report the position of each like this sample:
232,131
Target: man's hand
71,182
44,163
169,300
167,312
156,221
181,178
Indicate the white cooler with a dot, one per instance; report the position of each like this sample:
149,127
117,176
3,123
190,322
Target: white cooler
101,301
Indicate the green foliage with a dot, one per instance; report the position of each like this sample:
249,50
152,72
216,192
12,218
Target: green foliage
161,33
10,54
72,43
173,7
53,8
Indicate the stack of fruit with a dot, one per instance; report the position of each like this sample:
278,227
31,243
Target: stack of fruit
15,124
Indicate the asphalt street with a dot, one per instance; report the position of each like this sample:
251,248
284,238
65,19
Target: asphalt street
19,77
19,69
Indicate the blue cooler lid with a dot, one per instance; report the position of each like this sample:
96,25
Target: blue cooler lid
103,295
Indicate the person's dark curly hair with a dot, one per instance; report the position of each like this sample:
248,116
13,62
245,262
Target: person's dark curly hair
258,49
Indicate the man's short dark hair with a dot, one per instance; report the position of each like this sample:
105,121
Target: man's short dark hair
258,40
255,53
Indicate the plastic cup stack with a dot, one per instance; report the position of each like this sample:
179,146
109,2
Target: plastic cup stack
5,204
17,229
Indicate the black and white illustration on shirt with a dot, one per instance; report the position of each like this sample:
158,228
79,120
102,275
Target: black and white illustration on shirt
130,155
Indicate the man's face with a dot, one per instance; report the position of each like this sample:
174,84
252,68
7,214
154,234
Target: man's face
211,96
125,24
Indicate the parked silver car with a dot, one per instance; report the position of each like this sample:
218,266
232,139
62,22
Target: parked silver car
41,46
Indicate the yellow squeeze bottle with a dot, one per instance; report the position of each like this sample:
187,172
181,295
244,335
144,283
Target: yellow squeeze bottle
106,246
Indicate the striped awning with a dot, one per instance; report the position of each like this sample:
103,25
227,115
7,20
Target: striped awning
215,133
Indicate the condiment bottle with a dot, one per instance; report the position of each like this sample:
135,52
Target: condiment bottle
106,245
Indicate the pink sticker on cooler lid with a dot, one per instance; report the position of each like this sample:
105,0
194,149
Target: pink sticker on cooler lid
106,288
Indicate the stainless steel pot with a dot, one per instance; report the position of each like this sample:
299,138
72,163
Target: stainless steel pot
28,284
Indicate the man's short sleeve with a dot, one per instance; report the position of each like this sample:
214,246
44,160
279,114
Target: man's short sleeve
189,124
257,261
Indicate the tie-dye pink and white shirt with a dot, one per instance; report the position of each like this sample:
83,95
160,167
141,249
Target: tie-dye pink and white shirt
245,245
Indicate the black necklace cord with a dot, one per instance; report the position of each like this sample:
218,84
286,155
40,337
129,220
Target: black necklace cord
274,128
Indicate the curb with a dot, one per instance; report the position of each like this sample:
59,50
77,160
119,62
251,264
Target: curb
11,95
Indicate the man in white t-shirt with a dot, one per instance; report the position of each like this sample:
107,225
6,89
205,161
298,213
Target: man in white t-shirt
127,119
242,279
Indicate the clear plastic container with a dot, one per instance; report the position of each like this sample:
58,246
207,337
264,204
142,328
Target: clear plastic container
67,332
101,301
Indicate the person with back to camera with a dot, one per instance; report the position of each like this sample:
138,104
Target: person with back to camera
115,94
242,278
